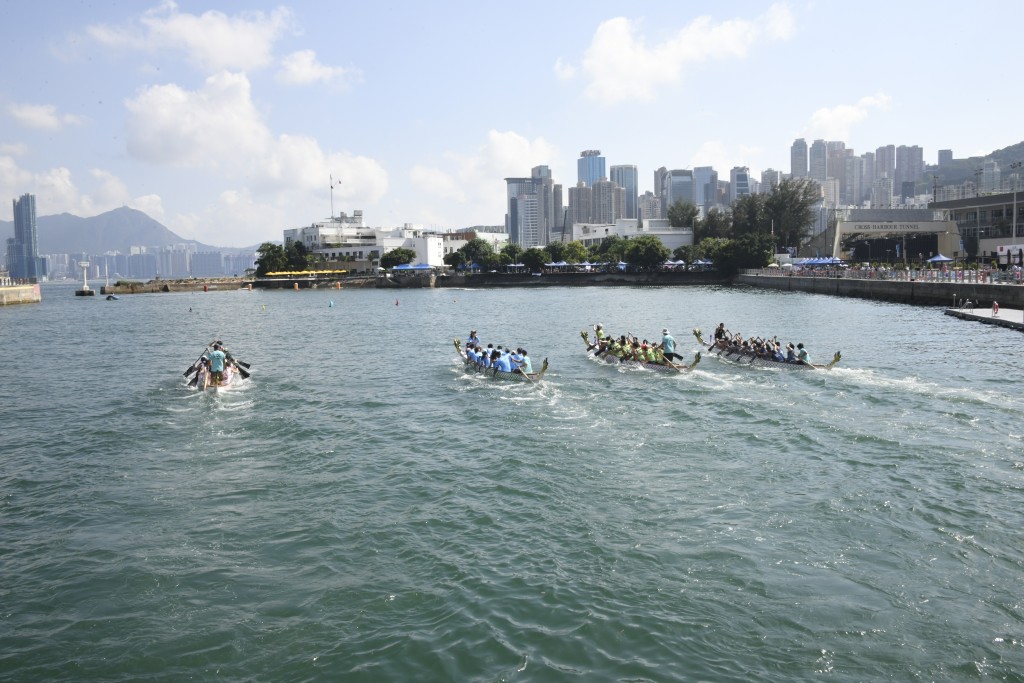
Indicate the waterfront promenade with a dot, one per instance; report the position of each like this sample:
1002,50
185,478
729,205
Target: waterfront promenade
928,287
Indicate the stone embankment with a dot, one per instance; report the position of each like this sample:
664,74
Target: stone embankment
20,294
952,290
185,285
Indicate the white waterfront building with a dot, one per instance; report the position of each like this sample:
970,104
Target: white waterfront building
672,238
348,238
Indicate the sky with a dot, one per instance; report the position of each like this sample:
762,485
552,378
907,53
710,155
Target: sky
232,123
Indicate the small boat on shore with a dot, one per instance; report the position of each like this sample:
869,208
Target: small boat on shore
471,367
613,360
723,349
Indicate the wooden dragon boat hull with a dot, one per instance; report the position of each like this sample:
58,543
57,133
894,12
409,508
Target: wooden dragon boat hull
656,367
472,368
722,351
205,381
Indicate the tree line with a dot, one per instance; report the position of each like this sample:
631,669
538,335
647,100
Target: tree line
746,235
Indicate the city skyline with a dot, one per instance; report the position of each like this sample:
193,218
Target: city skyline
231,127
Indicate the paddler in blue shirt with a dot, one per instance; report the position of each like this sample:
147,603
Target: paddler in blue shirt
668,346
473,339
527,366
217,358
502,364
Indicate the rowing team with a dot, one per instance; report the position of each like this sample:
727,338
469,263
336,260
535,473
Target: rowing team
628,347
497,358
769,349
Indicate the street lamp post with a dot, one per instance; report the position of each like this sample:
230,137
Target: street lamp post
1015,165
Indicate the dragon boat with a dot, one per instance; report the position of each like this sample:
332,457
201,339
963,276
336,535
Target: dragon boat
205,380
471,367
657,367
721,349
234,371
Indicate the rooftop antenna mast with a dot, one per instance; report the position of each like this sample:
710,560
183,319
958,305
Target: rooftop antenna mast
331,176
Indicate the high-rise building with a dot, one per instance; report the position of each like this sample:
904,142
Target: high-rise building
739,183
521,221
885,162
649,206
659,180
798,159
705,188
625,176
852,191
818,160
23,261
606,201
590,167
945,157
991,176
580,204
881,193
770,178
678,188
909,164
867,178
535,213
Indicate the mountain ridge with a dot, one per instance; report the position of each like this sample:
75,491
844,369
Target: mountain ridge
115,230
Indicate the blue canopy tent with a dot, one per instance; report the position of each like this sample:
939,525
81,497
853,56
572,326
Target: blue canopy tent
939,258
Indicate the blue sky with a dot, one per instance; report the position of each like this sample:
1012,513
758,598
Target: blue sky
228,123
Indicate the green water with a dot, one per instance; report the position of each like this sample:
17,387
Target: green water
361,510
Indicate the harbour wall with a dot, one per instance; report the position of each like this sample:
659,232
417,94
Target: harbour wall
20,294
921,293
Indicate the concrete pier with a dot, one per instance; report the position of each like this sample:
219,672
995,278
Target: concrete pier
1006,317
20,294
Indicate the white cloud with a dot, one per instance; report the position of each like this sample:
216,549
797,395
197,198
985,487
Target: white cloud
563,70
15,149
302,68
217,130
57,192
835,123
466,186
620,66
41,116
724,157
212,41
169,125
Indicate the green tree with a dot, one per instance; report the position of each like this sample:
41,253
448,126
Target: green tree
646,251
716,223
686,253
682,214
397,257
715,249
612,249
476,251
513,251
556,250
534,259
575,252
455,259
298,257
790,210
749,215
271,259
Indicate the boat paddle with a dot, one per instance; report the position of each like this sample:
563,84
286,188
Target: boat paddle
195,366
